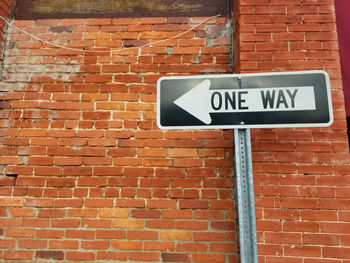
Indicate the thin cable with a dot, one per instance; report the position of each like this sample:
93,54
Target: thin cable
47,42
105,51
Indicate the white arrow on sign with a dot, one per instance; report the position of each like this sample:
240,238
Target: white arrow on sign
200,101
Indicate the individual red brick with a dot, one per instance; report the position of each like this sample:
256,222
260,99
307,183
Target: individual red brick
208,258
56,255
223,247
60,182
139,203
128,223
222,204
113,212
205,236
182,153
159,246
193,204
65,244
68,160
110,234
50,234
122,152
95,245
198,247
64,223
15,141
174,214
173,68
20,232
160,224
7,244
20,191
321,239
191,194
157,163
32,244
187,162
201,172
165,204
7,181
96,223
97,161
186,183
10,223
68,203
144,256
123,182
75,255
223,225
126,245
309,251
115,256
84,234
144,172
61,133
22,212
40,160
175,257
335,252
192,225
39,202
51,213
142,235
287,238
18,254
127,162
98,202
285,260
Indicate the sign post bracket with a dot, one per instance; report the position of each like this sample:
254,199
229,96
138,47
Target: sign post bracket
245,196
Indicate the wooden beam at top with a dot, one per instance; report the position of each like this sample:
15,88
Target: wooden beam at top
43,9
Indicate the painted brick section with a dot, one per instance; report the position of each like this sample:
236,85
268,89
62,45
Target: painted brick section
299,174
4,12
97,180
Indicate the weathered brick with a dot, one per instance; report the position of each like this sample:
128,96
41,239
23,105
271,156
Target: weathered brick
56,255
175,257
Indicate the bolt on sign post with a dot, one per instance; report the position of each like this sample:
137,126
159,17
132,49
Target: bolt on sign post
241,102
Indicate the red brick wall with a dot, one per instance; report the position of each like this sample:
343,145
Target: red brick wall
301,175
98,181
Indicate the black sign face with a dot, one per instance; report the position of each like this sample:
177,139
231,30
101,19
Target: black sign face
263,100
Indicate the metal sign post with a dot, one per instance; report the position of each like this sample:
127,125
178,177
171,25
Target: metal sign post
245,196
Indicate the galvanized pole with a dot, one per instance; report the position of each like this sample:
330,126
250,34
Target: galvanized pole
245,195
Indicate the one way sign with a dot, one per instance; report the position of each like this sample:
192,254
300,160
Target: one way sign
264,100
